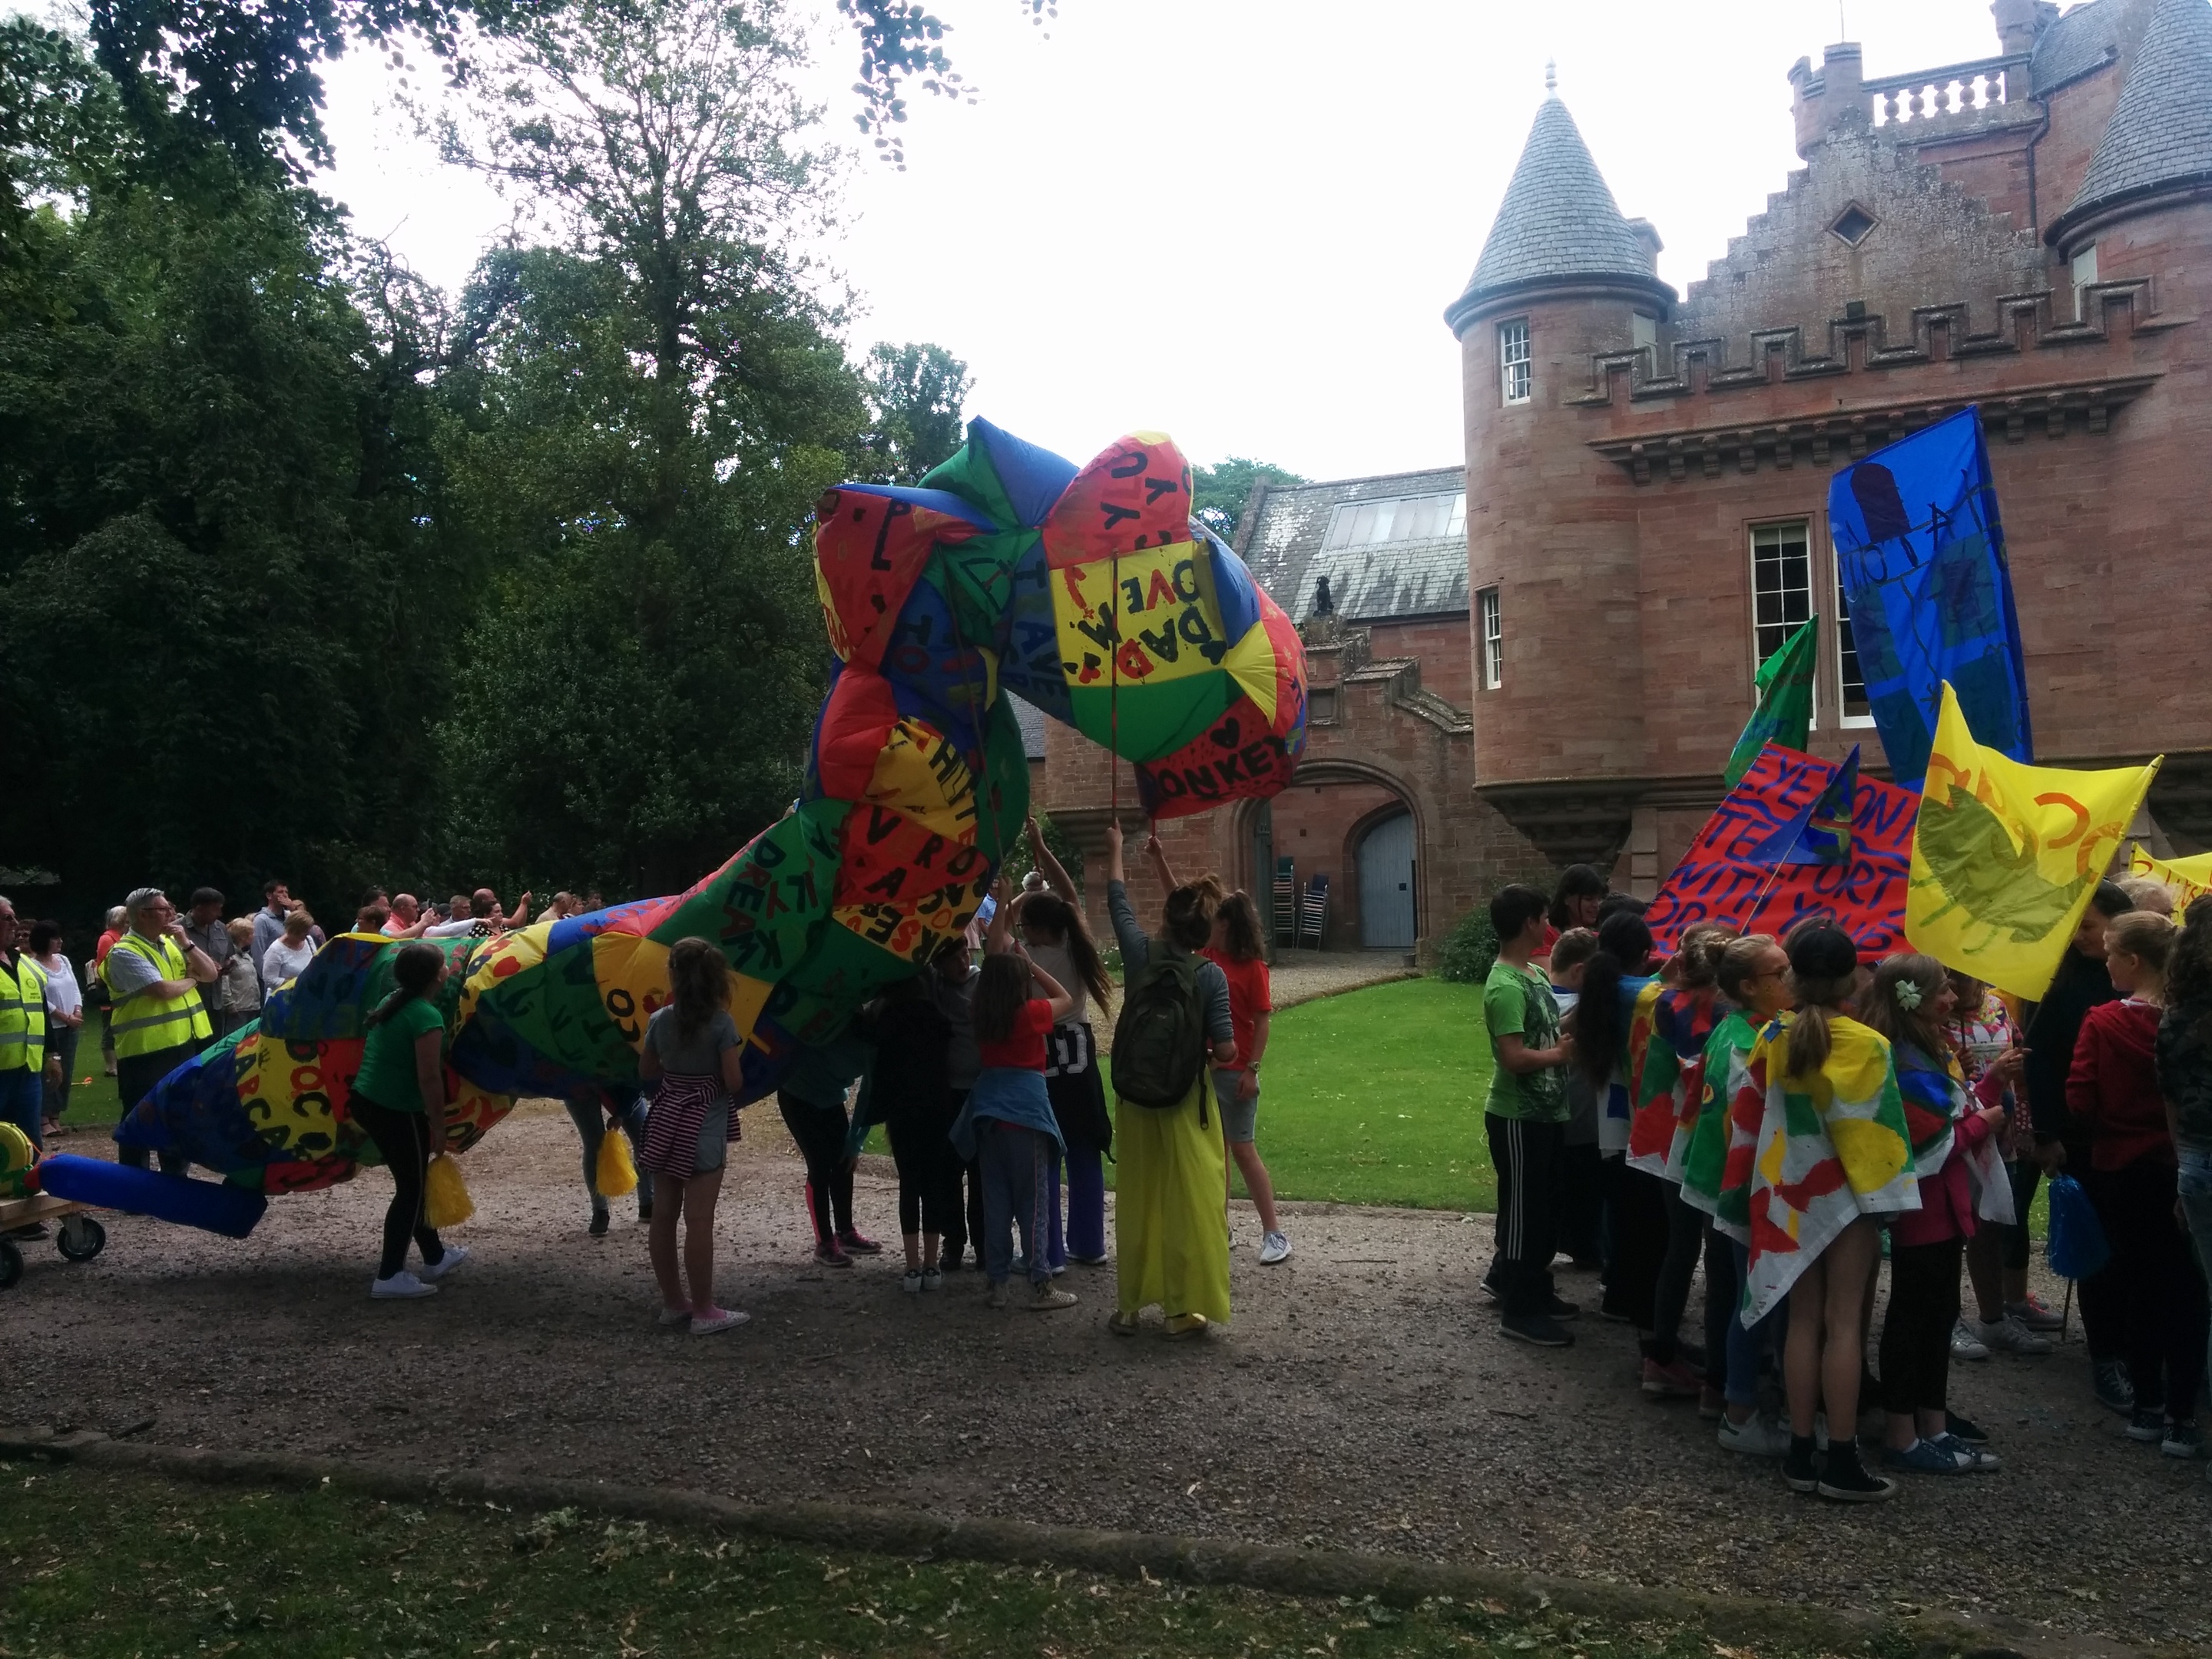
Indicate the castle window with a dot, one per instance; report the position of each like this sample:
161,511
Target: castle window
1858,711
1493,638
2084,272
1781,585
1852,225
1513,363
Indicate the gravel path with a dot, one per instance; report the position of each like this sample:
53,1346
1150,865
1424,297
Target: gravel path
1363,1400
1298,976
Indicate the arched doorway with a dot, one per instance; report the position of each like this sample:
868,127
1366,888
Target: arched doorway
1386,859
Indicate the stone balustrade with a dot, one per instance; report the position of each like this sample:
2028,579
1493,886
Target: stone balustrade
1968,90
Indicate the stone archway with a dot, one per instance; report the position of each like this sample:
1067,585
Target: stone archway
1320,821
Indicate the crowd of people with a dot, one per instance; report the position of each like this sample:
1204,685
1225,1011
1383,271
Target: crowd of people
1732,1047
984,1071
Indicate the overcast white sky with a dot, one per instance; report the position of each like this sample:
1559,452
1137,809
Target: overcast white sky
1239,221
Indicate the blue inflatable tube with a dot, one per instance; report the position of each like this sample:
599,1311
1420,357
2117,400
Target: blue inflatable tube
211,1206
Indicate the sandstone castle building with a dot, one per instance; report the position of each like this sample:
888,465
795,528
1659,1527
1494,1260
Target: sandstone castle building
1546,659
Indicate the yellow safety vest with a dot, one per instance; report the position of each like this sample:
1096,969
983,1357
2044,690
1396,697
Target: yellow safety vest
22,1015
144,1023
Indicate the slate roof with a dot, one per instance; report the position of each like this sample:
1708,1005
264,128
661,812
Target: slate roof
1558,220
2160,132
1031,719
2085,38
1282,540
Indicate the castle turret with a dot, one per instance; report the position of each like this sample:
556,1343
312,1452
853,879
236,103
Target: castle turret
2155,158
1551,546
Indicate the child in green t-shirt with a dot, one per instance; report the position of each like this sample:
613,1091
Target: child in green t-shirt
1527,1119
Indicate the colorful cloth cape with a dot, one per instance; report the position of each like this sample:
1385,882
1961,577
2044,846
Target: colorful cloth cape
1670,1084
1832,1147
1638,998
1724,1142
1935,1100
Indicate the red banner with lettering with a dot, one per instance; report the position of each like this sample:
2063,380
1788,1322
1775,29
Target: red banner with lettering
1732,875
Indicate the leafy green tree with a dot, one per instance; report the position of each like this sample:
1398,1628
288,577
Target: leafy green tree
653,413
1218,493
918,394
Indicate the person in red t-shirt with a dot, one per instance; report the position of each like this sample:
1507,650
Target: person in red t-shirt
1007,1127
1236,950
2112,1090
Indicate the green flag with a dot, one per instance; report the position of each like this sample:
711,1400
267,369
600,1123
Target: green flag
1784,713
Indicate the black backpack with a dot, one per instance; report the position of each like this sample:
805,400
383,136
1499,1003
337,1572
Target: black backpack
1159,1041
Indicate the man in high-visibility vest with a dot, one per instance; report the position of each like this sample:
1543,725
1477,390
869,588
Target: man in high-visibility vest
154,973
22,1032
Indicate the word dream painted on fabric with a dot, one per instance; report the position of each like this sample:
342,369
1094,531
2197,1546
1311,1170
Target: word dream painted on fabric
1730,876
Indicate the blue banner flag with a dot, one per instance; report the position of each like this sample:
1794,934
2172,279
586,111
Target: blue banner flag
1920,555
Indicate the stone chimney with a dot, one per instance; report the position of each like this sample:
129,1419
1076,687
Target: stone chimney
1648,234
2021,24
1831,101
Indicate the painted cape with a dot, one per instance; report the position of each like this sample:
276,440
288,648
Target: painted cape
1616,1113
1671,1082
1724,1143
1833,1146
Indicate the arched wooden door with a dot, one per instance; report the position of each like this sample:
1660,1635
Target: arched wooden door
1386,885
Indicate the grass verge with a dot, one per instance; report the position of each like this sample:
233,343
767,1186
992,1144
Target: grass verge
101,1564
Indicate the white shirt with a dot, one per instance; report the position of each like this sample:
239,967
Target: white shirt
64,995
452,929
280,963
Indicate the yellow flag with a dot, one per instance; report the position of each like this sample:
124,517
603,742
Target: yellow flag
2189,879
2006,855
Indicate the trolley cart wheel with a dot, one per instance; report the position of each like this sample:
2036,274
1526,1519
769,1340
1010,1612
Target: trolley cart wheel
81,1238
11,1263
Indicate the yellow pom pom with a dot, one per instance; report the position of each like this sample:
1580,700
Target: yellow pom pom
446,1201
616,1174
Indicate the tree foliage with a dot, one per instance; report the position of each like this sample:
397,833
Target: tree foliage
917,395
1219,493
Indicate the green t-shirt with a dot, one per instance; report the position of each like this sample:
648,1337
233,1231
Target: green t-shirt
387,1064
1516,1002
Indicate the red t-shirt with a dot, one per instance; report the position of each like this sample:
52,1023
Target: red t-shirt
1024,1050
1249,996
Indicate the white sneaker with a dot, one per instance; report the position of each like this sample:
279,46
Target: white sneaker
402,1287
1273,1248
2010,1335
910,1282
455,1255
1755,1436
1965,1345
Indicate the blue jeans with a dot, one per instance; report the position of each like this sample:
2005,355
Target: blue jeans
1745,1346
2195,1186
1017,1167
21,1090
591,1121
1086,1208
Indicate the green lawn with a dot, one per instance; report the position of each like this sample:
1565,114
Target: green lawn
93,1103
101,1566
1375,1098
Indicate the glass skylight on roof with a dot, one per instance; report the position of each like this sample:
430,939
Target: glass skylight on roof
1414,519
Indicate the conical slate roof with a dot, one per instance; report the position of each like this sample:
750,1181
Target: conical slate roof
2160,133
1557,221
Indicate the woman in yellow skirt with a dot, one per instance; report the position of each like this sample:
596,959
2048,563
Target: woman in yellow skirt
1170,1245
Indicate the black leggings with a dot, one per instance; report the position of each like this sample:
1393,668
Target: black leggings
1916,1335
2155,1266
1686,1239
1636,1219
928,1173
820,1132
404,1138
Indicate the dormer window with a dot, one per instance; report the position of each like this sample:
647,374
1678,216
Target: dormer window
1514,367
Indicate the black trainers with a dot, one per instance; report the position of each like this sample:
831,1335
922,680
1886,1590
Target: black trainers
598,1224
1562,1309
2114,1389
645,1212
2148,1425
1962,1430
1844,1479
1801,1465
1537,1330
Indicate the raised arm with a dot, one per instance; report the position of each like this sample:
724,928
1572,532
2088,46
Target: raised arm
1056,872
999,937
1159,857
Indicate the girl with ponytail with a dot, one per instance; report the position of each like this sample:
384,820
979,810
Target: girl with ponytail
398,1099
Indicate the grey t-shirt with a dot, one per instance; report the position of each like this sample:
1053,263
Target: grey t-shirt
128,971
962,1061
700,1057
1137,951
1060,962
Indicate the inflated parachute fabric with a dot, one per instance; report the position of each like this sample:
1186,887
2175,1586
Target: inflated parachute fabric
1832,1147
1088,592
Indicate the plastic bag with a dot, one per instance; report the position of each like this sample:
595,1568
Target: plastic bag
616,1173
446,1201
2077,1247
